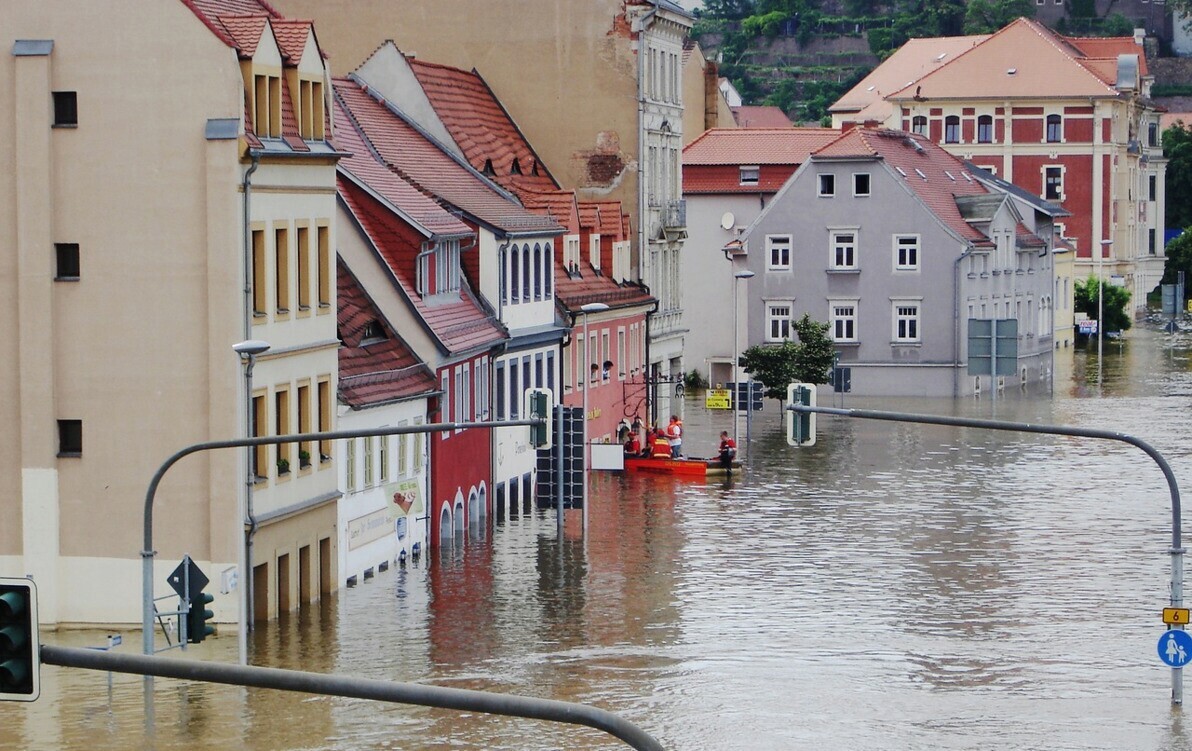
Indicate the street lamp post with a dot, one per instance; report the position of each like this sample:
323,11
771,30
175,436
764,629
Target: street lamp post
248,351
586,375
737,277
1100,305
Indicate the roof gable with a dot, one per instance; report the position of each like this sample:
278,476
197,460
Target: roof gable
1023,59
737,146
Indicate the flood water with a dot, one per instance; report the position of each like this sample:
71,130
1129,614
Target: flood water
895,586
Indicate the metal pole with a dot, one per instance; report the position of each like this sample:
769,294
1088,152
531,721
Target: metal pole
1100,309
509,705
559,474
1177,549
736,374
587,378
243,579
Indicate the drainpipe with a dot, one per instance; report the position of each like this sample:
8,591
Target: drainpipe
651,386
428,247
246,575
956,321
642,244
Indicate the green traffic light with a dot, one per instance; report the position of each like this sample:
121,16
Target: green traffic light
12,604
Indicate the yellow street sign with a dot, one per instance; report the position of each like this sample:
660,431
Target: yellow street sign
1175,616
718,399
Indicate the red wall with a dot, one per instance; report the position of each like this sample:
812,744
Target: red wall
460,461
618,398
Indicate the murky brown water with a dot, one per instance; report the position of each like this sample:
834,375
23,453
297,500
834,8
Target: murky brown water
895,586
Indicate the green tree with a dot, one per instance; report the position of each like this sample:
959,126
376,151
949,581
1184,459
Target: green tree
1179,258
1084,300
806,361
1177,147
987,16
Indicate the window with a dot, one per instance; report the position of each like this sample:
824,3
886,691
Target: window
500,391
827,185
844,251
1152,189
514,255
281,250
445,401
606,365
267,106
260,454
750,175
66,109
383,459
438,271
906,252
304,424
418,447
919,125
906,322
985,129
367,442
259,291
843,319
778,252
778,322
550,373
281,423
861,184
403,452
67,258
350,464
548,270
1054,129
303,238
324,272
1151,242
1053,183
621,353
527,273
324,397
514,389
70,438
570,254
952,129
1152,134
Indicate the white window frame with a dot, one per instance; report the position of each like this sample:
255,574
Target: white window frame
918,120
837,314
1045,168
774,244
917,250
907,310
868,188
779,314
750,175
825,184
834,241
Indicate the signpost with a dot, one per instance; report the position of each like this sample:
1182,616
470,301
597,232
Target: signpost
1175,647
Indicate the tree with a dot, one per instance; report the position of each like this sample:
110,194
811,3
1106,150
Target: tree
1179,258
779,365
1177,148
987,16
1084,300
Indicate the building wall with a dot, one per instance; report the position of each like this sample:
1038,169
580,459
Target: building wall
708,276
618,392
139,347
461,460
371,535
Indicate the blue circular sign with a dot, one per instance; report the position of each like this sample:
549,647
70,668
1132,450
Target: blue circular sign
1175,647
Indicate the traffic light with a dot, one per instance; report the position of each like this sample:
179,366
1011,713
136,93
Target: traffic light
539,403
20,650
800,426
196,620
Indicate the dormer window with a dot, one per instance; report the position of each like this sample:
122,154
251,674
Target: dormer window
515,169
266,114
310,108
750,175
534,168
373,333
438,269
488,170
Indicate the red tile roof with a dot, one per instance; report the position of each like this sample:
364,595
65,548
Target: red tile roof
409,152
1026,59
752,116
933,174
571,293
559,205
291,37
612,222
377,371
427,215
759,146
460,324
481,126
208,12
245,32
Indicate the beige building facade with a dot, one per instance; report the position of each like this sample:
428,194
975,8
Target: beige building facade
133,259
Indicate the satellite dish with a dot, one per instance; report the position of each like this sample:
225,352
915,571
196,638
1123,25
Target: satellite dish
728,221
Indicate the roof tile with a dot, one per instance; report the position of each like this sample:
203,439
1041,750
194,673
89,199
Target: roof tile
759,146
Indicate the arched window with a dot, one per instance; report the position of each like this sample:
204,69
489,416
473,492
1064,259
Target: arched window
514,273
548,270
985,129
538,272
919,125
445,527
527,272
1054,129
952,129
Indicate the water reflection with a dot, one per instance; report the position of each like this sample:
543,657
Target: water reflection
894,586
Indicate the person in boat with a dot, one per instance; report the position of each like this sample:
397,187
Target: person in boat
661,448
728,451
674,434
633,447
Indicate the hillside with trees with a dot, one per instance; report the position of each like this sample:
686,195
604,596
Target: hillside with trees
801,55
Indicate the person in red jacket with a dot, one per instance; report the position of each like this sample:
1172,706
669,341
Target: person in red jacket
661,448
728,451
